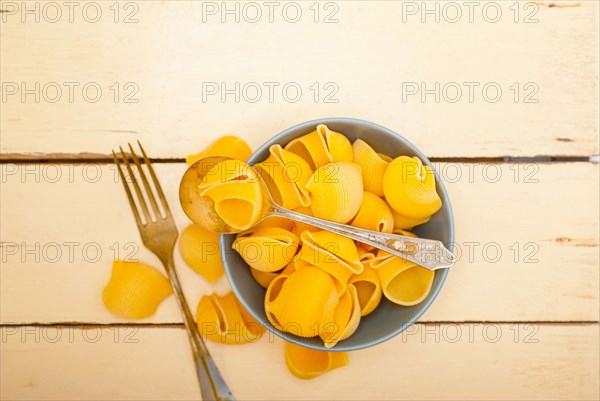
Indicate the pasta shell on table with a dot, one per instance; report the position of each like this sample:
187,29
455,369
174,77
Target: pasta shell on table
302,303
407,223
267,249
333,253
286,175
135,290
199,249
336,191
403,282
322,146
373,166
374,214
224,320
409,187
234,188
345,320
228,145
368,287
306,363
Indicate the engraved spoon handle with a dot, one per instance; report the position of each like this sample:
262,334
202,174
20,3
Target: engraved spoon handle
431,254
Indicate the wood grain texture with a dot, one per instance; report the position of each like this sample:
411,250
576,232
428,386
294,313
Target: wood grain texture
557,362
370,55
528,251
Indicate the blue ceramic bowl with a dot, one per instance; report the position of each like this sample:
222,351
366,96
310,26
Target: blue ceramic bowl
389,319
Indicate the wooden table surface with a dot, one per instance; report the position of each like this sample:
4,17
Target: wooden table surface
503,96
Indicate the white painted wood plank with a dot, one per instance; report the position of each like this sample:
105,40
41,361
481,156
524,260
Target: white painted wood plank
554,223
557,362
372,56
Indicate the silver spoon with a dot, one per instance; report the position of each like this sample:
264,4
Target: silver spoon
431,254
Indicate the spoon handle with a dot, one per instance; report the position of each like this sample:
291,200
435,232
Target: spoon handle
431,254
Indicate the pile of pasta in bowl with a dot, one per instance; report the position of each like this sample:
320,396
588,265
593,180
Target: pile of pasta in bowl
320,284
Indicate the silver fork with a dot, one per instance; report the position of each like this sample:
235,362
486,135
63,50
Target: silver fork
159,235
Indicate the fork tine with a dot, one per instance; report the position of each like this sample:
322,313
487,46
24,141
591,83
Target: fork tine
149,193
136,186
155,180
136,214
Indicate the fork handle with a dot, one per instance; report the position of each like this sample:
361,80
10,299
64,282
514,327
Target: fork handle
212,384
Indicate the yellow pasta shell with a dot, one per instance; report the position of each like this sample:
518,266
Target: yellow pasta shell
373,166
286,175
235,190
368,287
299,227
199,249
229,145
404,232
312,148
409,187
336,191
407,223
273,291
275,221
268,249
346,318
374,214
338,145
135,290
334,254
365,252
306,363
224,320
403,282
322,146
305,302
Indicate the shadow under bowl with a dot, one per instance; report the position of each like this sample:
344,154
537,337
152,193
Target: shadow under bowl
388,319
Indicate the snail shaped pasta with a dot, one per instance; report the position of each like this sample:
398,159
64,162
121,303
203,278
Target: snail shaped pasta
409,188
229,145
336,191
368,286
135,290
265,278
407,223
403,282
306,363
224,320
267,249
236,192
346,318
299,227
322,146
333,254
374,214
199,249
286,175
302,303
275,221
373,166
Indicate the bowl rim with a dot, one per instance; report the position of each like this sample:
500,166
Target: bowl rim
442,272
